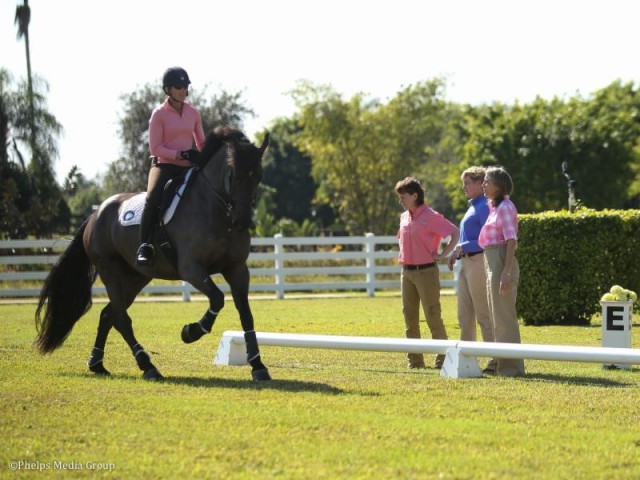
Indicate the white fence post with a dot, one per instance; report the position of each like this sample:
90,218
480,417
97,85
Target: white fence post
456,275
186,292
370,263
278,250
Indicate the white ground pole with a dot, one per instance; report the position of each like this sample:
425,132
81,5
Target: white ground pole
461,356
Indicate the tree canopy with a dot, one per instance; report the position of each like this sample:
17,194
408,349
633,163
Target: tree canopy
31,201
598,137
288,171
361,147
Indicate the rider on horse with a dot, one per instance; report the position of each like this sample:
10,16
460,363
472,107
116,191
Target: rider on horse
173,127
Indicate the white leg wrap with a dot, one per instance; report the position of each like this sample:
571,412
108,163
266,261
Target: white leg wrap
254,357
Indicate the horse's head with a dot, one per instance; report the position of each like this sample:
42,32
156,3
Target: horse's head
239,172
246,173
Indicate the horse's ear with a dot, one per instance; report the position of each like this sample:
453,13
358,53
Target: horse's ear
265,142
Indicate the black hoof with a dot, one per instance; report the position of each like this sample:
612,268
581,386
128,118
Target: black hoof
152,375
261,375
191,333
99,369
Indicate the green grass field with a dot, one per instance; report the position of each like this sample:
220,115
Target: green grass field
327,414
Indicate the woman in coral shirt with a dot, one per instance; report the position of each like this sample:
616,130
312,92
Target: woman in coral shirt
419,236
173,128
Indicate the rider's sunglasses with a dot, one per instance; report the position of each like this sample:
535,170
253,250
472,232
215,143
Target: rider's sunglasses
181,87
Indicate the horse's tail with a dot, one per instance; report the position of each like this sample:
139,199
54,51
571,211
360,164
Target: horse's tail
65,296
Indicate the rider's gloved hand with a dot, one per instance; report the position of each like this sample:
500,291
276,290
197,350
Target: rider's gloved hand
191,155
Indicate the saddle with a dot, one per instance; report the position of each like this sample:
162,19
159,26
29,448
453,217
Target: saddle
174,190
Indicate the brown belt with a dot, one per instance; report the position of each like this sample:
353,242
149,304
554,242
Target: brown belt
419,267
471,254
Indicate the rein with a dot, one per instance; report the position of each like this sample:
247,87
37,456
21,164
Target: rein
226,203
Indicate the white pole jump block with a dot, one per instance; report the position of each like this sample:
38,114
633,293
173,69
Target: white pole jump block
457,365
231,351
460,360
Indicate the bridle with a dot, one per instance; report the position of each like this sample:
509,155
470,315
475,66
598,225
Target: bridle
227,202
226,199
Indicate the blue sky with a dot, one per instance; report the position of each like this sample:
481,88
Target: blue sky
489,50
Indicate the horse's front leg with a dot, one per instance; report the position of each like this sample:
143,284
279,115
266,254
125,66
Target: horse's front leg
238,281
194,331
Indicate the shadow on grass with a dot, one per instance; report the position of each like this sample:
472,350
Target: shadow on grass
283,385
581,381
597,325
200,382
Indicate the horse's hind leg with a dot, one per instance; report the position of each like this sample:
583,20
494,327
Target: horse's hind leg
123,285
122,323
96,359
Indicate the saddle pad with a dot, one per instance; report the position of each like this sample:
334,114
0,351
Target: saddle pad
131,210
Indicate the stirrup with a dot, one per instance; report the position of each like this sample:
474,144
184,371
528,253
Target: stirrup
144,257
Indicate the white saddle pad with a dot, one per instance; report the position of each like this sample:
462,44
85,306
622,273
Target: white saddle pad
131,210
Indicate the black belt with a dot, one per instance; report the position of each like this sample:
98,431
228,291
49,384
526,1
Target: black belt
471,254
419,267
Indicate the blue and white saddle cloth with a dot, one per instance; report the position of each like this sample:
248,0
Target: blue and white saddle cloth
131,210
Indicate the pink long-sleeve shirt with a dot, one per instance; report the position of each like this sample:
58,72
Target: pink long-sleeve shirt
170,132
420,234
502,224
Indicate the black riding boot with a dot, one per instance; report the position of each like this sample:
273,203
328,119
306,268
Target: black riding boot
144,257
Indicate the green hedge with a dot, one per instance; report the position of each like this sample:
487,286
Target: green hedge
569,260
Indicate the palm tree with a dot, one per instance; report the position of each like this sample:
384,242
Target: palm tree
22,19
46,204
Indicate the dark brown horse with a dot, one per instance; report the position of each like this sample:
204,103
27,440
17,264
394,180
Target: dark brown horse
209,234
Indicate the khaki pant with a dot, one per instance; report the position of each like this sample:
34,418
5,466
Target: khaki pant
422,286
502,308
472,302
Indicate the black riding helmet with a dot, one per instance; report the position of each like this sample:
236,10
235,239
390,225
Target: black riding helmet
175,77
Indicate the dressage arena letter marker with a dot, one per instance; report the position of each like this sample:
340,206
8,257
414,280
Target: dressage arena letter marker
460,360
615,318
616,327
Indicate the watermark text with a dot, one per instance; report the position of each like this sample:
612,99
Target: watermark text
71,465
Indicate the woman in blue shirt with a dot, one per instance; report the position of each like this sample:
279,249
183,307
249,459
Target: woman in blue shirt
472,282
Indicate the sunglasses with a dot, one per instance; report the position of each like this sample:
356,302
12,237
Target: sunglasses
181,87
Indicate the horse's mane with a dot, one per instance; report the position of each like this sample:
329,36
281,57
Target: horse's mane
220,136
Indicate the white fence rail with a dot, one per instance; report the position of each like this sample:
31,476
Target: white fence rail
279,265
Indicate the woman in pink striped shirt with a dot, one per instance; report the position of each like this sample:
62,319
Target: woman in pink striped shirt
173,128
499,239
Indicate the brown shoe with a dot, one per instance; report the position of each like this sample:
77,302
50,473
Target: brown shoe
415,360
416,366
